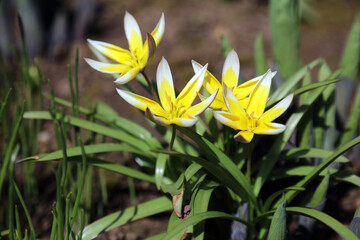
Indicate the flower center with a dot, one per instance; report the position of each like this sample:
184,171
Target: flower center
176,110
252,122
136,56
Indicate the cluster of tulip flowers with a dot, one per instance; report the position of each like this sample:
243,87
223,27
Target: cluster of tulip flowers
241,107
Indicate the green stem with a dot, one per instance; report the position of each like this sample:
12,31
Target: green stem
150,85
248,165
172,137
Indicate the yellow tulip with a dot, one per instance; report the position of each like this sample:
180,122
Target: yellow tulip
128,62
230,76
171,110
253,119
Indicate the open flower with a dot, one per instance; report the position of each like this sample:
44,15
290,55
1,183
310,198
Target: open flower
173,110
128,62
230,76
253,119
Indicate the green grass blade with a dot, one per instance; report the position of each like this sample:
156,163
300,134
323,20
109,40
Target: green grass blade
320,192
130,214
292,82
285,30
331,222
309,153
159,236
304,133
10,147
277,230
225,46
201,217
160,169
351,58
267,165
217,156
3,105
259,56
353,121
273,196
314,86
82,181
27,214
89,149
94,127
201,203
318,169
301,171
114,167
220,173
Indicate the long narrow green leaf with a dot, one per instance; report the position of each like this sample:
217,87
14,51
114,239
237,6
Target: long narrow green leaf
314,86
334,224
218,156
27,214
304,129
281,140
201,203
160,169
285,29
318,169
292,82
309,153
3,105
10,148
89,149
351,57
225,46
273,196
277,230
116,134
345,176
320,192
106,114
221,174
130,214
198,218
353,121
259,55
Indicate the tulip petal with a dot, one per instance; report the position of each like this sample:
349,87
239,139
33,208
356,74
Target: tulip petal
111,51
107,67
165,85
217,104
245,89
188,94
158,31
232,103
259,96
149,49
124,78
230,73
211,84
159,120
202,106
277,110
244,136
230,120
184,122
133,33
269,128
142,103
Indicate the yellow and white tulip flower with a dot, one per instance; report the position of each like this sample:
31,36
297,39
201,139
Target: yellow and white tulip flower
128,62
230,76
253,119
172,110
